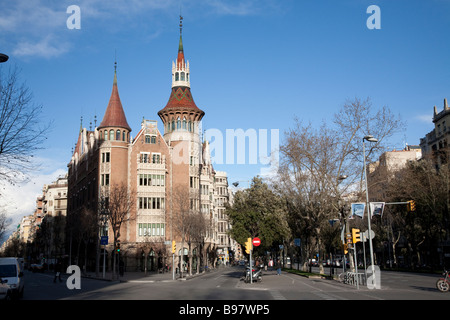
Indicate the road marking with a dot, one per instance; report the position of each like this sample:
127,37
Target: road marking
324,296
277,295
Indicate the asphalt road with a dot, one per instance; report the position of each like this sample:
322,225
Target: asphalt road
225,284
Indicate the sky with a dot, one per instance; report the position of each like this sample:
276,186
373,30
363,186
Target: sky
255,65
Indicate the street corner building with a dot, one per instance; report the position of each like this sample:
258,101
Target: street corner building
173,190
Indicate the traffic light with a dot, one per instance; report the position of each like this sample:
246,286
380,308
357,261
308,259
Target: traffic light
118,246
174,246
411,205
345,248
356,236
248,245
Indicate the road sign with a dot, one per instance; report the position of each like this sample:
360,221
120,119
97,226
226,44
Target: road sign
365,235
256,242
104,240
297,242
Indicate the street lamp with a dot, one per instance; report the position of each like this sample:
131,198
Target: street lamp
370,139
3,57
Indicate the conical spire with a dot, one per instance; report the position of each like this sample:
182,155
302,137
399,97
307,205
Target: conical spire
114,114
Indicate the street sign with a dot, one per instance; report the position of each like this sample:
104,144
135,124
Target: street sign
365,235
256,242
297,242
104,240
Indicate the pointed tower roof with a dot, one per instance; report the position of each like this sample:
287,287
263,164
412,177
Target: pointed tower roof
181,97
114,114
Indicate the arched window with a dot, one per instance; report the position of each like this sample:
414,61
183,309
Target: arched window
182,76
184,124
190,126
173,125
123,135
178,124
106,134
118,135
177,76
111,134
187,76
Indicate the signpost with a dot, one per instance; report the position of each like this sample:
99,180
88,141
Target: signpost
104,243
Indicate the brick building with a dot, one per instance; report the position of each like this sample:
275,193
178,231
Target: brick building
168,177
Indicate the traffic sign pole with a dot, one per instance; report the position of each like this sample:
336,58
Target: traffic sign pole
251,267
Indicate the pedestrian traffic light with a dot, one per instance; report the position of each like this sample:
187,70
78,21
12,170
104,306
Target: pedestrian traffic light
174,246
356,236
248,245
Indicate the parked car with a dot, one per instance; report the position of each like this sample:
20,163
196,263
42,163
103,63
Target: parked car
11,272
5,292
37,267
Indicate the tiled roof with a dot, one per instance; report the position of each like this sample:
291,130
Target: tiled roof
114,114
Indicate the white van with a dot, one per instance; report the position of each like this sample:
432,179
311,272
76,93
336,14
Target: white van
11,273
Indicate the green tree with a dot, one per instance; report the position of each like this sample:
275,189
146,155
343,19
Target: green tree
258,212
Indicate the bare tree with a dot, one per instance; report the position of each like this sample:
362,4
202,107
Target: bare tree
119,202
22,132
314,160
185,208
429,224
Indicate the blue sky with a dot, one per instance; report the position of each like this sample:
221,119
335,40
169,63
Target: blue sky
255,64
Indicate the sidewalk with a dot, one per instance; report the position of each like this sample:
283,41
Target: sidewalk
140,276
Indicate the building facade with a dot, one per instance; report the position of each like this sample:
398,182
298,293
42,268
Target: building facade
174,191
435,143
382,171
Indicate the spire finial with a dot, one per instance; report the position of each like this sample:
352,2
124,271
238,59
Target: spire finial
180,46
115,68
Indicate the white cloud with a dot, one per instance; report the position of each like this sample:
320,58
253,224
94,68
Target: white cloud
46,47
425,118
20,200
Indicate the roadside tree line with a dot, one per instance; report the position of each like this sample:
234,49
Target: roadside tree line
321,173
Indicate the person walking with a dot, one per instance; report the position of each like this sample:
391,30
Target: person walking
278,268
58,267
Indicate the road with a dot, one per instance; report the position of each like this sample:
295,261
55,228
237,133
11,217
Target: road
225,284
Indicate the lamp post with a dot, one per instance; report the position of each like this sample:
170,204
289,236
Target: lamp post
3,57
344,224
370,139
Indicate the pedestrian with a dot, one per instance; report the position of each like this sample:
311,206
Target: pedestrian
57,271
278,267
121,267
